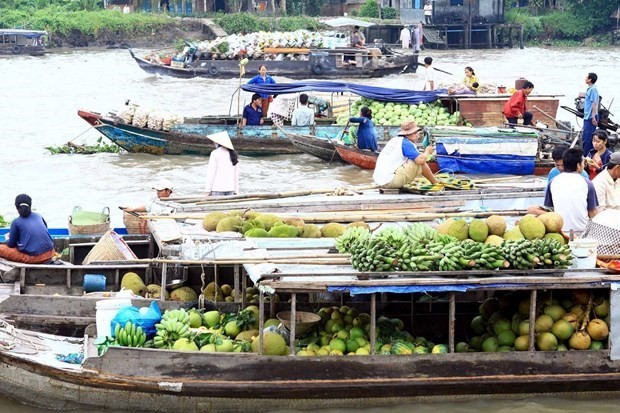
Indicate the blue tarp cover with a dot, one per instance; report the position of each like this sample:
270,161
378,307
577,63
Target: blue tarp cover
354,290
371,92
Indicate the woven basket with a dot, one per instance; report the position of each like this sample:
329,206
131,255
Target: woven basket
134,224
79,217
111,247
94,229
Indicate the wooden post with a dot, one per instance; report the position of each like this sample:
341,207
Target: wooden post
236,282
164,274
451,321
293,321
521,38
261,319
532,319
244,286
373,323
215,280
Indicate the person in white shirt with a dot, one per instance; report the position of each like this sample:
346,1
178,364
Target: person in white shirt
163,190
429,79
222,172
303,115
428,12
405,37
571,195
607,185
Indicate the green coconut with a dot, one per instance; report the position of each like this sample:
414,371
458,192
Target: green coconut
478,230
459,230
310,231
209,222
132,281
185,294
332,230
496,224
531,227
230,224
268,220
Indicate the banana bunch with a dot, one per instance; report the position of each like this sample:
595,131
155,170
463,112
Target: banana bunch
485,256
419,232
553,254
129,335
173,326
521,254
392,236
373,254
343,242
454,258
415,256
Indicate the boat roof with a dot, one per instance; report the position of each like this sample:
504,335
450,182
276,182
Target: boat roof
23,32
372,92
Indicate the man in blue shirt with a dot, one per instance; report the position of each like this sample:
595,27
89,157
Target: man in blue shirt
252,113
590,112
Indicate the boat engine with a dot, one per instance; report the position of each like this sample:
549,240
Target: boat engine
320,105
604,120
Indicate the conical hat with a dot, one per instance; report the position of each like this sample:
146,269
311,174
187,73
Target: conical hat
221,138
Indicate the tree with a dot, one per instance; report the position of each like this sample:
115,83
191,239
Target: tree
370,9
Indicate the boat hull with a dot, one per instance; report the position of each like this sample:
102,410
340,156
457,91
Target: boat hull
166,381
320,148
319,65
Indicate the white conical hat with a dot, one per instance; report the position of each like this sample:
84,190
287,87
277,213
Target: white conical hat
222,139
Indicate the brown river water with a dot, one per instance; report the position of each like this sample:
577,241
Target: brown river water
39,98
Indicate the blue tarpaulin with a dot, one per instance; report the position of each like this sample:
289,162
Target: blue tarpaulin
413,97
407,289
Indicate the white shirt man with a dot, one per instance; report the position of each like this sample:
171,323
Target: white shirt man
429,77
405,37
303,115
607,185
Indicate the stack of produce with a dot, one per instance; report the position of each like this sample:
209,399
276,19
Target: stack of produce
259,225
424,114
458,245
252,45
577,320
132,281
226,293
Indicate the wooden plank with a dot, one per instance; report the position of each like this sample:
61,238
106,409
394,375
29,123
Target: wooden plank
296,50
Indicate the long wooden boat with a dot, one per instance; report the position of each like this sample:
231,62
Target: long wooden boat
363,158
317,64
321,148
22,42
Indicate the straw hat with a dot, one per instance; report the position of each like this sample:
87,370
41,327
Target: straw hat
408,128
221,138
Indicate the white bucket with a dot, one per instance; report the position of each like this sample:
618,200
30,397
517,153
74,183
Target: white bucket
106,310
584,253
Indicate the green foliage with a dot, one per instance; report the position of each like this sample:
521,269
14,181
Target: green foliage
559,25
370,9
388,13
4,223
72,148
288,24
597,12
532,26
248,23
355,13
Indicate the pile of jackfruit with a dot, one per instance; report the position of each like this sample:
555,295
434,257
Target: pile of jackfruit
253,224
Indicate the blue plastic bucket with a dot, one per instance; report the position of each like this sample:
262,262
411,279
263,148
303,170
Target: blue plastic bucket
94,283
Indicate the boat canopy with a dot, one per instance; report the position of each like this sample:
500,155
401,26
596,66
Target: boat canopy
30,34
384,94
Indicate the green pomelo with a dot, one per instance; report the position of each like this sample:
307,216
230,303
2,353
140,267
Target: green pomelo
211,318
273,344
208,348
232,329
504,349
271,322
597,345
362,352
602,310
476,343
338,344
357,332
195,319
562,329
478,325
531,227
184,344
352,345
225,346
562,347
247,335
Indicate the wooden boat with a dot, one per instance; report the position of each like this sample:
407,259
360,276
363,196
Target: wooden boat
316,64
22,42
321,148
363,158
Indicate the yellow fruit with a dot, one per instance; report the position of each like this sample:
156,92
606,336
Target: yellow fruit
496,224
132,281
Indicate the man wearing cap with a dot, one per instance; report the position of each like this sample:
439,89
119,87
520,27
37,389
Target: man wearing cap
163,190
400,162
571,195
222,172
607,185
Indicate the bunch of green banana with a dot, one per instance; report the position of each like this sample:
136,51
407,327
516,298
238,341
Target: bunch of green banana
521,254
129,335
419,232
414,256
373,254
553,254
392,236
173,326
343,242
454,258
485,256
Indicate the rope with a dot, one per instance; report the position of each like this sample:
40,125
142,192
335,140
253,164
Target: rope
92,126
14,337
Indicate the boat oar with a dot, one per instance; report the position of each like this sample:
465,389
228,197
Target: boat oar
334,153
443,71
557,122
135,214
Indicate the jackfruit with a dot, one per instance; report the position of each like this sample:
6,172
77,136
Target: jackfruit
185,294
478,230
496,224
444,227
552,221
273,344
459,229
229,224
209,222
268,220
296,222
494,240
235,213
360,224
154,291
531,227
513,234
310,231
132,281
332,230
557,237
283,231
251,224
250,214
256,233
211,290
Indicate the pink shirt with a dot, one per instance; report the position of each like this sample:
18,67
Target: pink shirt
222,176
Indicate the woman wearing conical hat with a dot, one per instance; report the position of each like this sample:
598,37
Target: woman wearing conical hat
222,172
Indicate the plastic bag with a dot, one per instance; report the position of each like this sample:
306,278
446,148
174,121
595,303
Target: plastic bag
145,317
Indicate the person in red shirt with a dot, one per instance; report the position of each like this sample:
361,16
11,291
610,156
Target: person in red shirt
515,107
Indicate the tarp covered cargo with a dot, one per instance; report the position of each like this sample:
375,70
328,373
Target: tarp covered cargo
384,94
